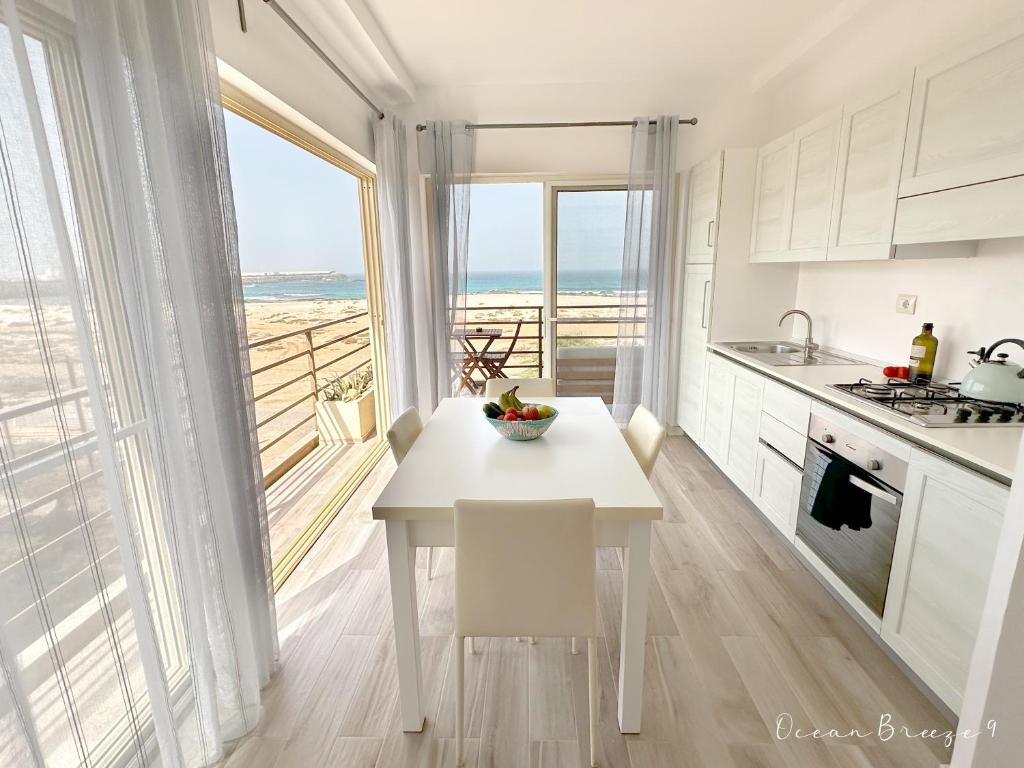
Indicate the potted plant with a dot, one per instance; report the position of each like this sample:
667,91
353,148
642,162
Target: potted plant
346,410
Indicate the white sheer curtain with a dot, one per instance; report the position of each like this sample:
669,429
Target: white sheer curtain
642,353
391,159
137,619
446,154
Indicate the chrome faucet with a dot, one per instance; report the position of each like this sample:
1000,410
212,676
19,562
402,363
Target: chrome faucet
809,345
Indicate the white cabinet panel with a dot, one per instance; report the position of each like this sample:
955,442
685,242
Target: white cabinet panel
786,441
777,490
967,116
744,428
717,409
696,316
815,146
790,407
702,210
949,526
871,141
772,199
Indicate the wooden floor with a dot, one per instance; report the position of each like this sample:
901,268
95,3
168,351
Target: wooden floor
740,633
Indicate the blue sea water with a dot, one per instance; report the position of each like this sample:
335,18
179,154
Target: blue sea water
597,281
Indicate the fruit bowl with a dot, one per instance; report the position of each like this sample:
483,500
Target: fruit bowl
522,430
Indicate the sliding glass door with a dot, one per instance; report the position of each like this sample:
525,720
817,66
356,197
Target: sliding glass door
588,225
310,265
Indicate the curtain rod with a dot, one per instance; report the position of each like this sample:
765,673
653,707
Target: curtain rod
320,52
586,124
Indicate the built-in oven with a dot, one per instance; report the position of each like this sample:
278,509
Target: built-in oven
850,499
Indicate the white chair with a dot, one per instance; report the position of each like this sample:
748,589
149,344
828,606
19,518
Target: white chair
645,435
524,567
527,387
403,433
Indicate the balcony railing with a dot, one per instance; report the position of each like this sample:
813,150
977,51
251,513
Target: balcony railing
527,357
307,360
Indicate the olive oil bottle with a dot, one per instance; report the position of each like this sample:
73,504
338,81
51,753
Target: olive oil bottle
922,355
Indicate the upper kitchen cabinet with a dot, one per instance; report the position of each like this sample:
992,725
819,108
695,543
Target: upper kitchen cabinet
793,193
871,140
815,146
963,167
702,210
773,185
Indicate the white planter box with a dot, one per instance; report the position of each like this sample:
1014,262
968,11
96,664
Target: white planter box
351,422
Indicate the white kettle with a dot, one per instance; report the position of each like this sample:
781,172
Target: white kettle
998,380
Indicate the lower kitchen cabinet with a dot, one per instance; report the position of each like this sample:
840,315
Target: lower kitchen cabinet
949,526
732,414
776,489
744,427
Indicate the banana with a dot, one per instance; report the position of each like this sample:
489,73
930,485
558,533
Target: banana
509,400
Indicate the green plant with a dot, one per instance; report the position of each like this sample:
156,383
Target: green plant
347,388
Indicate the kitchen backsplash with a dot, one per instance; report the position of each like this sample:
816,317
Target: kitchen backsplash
971,302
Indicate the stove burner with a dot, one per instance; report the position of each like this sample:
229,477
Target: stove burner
934,404
878,390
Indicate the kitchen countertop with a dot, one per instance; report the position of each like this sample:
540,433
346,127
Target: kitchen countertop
989,450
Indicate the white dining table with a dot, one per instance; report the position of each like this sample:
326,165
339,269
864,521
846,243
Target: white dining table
459,455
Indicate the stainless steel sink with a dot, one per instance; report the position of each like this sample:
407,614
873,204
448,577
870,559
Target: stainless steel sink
784,353
766,348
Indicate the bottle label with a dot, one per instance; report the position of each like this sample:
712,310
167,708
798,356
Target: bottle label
917,352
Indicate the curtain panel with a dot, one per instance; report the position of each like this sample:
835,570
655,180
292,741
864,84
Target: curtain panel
137,621
642,349
446,155
391,158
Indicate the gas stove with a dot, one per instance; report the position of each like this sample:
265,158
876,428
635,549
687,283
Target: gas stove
934,405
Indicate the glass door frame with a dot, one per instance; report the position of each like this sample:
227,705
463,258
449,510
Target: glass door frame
551,192
264,116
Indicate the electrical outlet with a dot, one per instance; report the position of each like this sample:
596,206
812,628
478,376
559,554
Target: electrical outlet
906,304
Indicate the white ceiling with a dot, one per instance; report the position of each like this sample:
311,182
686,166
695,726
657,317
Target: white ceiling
448,43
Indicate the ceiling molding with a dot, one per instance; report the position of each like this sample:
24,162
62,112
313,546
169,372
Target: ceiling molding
807,41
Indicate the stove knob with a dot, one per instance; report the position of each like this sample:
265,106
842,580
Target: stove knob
827,438
874,465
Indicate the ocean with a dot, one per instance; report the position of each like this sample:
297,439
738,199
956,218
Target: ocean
596,281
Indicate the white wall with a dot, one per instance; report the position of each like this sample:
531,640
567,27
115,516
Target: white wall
971,301
272,56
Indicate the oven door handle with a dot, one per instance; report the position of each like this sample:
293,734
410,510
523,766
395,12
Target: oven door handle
873,490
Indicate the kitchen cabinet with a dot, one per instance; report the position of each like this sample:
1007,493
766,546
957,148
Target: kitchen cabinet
776,489
731,419
815,148
772,199
702,210
871,140
696,319
719,382
963,165
967,116
744,426
949,526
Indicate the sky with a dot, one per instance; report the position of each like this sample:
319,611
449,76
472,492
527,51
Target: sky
297,212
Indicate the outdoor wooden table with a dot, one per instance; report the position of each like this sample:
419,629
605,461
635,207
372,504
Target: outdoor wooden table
458,455
473,357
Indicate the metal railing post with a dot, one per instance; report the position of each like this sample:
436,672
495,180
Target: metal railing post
312,374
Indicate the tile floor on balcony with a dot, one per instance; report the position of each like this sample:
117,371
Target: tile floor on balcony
304,490
740,632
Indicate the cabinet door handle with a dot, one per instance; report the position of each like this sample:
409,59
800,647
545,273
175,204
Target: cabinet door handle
704,305
711,227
